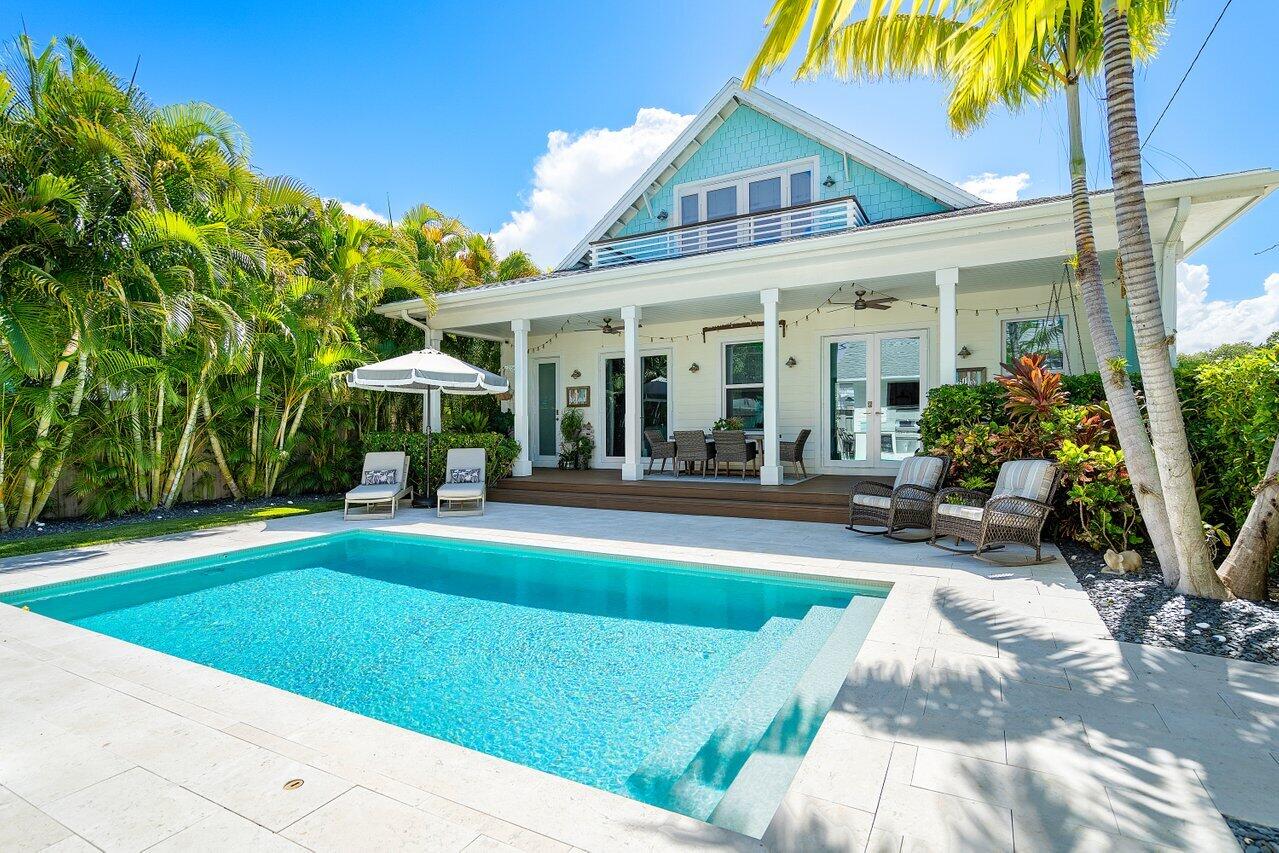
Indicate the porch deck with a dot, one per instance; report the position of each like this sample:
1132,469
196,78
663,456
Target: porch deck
822,498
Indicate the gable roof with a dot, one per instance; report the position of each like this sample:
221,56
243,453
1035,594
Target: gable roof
706,122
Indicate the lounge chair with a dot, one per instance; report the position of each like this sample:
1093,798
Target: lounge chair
793,451
659,447
1013,513
731,447
390,466
879,509
462,485
691,449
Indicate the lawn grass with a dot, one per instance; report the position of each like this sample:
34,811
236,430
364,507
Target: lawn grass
146,529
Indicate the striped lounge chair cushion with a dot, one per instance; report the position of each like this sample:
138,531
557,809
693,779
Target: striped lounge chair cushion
925,471
1025,478
877,501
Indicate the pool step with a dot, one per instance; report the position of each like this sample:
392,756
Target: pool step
698,790
653,780
755,793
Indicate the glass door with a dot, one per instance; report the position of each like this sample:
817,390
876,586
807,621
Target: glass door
874,398
548,413
655,396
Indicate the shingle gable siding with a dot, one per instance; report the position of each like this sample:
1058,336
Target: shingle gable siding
749,139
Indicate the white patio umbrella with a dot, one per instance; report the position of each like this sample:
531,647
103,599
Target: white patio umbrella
424,371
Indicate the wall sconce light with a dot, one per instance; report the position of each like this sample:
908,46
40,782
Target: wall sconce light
829,182
693,368
791,362
662,216
576,374
964,352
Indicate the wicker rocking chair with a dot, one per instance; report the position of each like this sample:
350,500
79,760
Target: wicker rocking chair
883,510
1013,513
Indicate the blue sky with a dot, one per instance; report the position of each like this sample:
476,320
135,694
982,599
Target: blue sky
452,104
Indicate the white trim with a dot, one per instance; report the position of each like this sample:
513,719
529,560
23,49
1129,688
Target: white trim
827,134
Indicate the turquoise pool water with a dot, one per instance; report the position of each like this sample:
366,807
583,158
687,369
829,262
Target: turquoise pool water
653,680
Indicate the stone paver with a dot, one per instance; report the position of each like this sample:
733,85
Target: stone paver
988,710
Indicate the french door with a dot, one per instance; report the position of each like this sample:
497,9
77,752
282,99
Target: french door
874,395
655,397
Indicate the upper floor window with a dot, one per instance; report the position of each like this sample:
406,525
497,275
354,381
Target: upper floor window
1043,335
754,191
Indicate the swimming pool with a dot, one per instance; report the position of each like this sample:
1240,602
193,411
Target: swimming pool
669,683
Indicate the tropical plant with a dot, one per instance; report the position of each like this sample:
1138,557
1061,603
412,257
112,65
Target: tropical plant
1032,391
1000,52
577,441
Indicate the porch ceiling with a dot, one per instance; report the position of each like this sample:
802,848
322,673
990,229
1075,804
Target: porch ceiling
921,286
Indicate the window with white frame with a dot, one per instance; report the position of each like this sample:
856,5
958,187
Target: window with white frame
756,191
744,383
1042,335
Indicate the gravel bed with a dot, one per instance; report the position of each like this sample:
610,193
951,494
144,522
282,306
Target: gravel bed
1253,837
1138,608
185,510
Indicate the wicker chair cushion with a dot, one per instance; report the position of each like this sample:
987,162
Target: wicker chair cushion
1025,478
877,501
968,513
925,471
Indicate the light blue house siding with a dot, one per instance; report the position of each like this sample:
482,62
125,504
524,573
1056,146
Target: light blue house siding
748,140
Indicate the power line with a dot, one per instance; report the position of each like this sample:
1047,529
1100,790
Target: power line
1188,70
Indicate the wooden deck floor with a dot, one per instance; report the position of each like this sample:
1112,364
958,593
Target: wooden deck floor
822,498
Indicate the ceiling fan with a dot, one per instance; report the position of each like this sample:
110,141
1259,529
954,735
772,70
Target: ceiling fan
881,303
606,326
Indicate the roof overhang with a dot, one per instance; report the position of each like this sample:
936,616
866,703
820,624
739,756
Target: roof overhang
1191,211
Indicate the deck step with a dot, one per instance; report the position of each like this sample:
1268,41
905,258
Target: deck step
652,781
698,504
698,790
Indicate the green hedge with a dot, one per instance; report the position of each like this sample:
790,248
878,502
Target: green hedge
500,452
953,406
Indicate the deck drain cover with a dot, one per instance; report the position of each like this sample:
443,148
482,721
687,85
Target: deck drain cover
293,784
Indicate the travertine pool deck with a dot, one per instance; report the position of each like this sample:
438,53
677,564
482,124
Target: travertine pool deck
988,710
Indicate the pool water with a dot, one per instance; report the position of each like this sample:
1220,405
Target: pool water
653,680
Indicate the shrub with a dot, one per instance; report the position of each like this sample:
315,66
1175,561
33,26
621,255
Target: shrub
578,441
1031,391
953,406
469,421
499,457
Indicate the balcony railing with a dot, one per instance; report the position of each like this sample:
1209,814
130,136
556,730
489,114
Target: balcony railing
751,229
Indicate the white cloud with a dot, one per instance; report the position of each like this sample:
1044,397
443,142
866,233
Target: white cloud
361,211
1204,323
580,177
997,188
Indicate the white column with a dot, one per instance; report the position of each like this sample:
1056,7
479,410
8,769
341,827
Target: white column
947,282
634,429
523,465
432,411
770,474
1166,263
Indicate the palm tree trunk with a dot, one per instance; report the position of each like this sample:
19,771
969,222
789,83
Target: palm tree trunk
24,517
157,449
1247,565
174,486
286,442
135,426
64,440
1139,457
216,447
257,418
1196,574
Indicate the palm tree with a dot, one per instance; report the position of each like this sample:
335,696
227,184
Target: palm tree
983,50
1244,571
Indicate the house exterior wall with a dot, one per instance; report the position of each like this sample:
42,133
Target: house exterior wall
697,397
749,139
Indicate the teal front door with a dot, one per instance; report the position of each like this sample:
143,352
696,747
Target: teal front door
547,411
